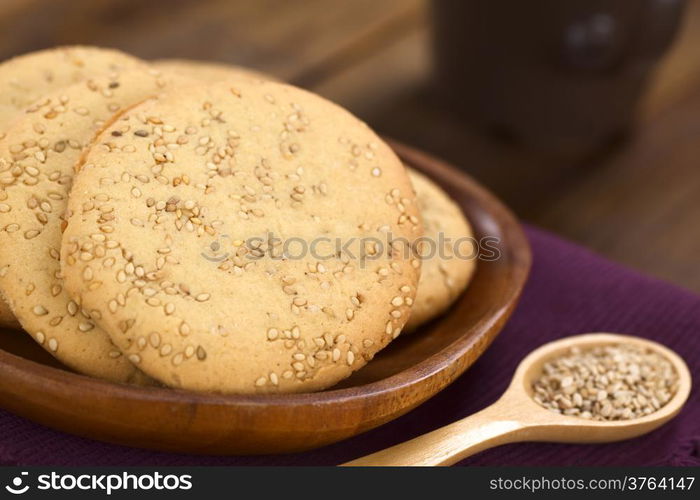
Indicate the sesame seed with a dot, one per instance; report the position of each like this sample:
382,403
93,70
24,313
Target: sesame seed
154,340
201,353
389,328
184,329
88,273
86,326
40,310
153,302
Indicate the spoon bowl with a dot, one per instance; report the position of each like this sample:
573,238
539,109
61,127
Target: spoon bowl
591,431
516,417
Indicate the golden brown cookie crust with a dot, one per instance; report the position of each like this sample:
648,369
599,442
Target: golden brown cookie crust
217,165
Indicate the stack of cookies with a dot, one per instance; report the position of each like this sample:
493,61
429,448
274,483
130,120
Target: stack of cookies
207,228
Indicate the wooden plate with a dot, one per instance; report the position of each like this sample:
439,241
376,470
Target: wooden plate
404,375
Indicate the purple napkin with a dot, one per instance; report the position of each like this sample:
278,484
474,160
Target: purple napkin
570,291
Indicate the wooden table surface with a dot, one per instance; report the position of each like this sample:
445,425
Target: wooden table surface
637,203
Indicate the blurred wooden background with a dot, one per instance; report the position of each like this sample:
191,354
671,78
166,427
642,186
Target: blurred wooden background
638,202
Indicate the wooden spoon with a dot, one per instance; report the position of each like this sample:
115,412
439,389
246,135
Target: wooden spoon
516,417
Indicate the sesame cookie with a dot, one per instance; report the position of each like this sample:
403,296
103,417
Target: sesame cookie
37,159
449,261
26,78
219,268
209,71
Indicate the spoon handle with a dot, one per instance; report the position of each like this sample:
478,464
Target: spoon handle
492,426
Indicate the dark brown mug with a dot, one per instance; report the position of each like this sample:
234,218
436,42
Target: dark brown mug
560,74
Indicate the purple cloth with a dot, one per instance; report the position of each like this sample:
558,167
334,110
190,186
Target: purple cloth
570,291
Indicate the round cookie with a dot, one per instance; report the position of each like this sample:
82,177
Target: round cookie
445,273
28,77
37,159
201,277
209,71
25,78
